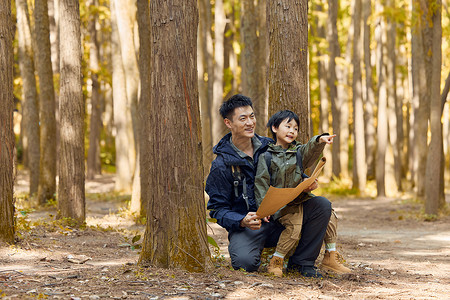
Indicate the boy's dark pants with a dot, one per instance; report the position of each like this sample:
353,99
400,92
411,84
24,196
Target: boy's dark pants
245,246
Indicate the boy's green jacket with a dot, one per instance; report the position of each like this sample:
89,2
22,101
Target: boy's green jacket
285,172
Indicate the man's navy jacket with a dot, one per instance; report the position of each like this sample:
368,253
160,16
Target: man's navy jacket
223,204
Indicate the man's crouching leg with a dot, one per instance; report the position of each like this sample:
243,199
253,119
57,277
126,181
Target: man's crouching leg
245,247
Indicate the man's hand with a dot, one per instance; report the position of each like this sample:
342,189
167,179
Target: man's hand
327,139
312,187
251,221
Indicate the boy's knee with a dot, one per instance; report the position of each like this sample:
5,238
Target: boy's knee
324,204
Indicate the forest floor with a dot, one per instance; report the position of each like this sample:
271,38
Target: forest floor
392,251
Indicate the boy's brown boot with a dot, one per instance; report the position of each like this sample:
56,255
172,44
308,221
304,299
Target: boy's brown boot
276,266
330,263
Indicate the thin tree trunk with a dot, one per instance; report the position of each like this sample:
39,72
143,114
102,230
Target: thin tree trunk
122,115
7,140
175,235
47,168
203,77
252,73
433,185
335,52
30,108
143,19
382,130
94,166
71,196
391,84
288,69
359,162
264,59
53,12
218,128
369,105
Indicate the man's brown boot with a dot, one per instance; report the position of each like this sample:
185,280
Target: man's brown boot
276,266
330,263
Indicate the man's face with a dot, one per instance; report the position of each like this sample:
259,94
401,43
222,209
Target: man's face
242,122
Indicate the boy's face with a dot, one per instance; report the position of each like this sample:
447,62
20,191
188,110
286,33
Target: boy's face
286,133
242,122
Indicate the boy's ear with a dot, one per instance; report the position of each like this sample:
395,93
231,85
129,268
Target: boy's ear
274,129
227,122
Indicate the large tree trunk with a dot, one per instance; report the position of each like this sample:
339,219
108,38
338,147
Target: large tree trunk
434,159
122,115
288,69
253,84
175,235
30,109
369,103
382,129
94,166
6,124
203,57
71,196
359,156
218,128
47,168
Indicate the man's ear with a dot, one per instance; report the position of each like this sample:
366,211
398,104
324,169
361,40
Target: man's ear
227,122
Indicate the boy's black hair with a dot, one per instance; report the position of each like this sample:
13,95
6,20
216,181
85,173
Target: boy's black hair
278,117
227,108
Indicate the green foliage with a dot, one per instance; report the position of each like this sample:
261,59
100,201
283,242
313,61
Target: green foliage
133,243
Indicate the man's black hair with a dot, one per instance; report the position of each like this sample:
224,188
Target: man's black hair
227,108
279,117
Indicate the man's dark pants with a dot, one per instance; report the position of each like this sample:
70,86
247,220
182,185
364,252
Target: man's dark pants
245,246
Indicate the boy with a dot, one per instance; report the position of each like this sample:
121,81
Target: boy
279,167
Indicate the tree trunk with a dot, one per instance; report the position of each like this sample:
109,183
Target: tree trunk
434,159
335,52
6,124
47,168
30,108
175,235
204,31
359,156
218,128
382,129
369,103
324,103
122,115
53,14
125,23
71,196
288,69
143,19
253,84
94,166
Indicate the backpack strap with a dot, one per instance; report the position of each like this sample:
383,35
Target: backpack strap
300,163
238,176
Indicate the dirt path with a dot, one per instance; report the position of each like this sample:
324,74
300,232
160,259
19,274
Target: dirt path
392,254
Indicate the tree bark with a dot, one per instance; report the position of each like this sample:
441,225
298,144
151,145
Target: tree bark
218,128
288,69
369,103
30,108
7,140
71,195
94,166
175,235
253,84
433,185
48,158
122,115
359,156
382,129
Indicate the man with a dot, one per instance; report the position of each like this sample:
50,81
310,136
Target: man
230,186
